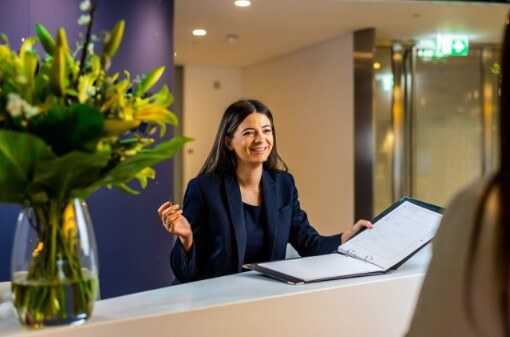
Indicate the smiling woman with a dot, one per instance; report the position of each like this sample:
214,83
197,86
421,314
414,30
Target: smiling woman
243,206
222,159
253,140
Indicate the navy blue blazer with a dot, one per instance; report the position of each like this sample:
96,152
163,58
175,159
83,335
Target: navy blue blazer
214,209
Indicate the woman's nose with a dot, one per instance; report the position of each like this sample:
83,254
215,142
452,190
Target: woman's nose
258,138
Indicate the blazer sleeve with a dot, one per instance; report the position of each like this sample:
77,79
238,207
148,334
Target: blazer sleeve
194,208
303,237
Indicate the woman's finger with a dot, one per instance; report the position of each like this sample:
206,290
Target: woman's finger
171,215
363,223
176,226
174,216
169,210
162,208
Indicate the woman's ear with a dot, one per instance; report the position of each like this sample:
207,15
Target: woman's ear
228,143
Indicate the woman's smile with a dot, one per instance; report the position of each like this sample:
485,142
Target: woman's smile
259,149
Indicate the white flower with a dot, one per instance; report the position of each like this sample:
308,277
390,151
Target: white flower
30,111
85,5
91,92
14,104
17,106
90,48
84,19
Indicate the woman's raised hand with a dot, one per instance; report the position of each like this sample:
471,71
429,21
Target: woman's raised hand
174,222
355,228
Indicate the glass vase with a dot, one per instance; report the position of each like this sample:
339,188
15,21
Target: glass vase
54,263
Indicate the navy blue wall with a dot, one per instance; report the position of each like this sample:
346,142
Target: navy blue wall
133,246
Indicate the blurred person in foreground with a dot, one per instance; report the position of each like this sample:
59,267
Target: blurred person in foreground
466,289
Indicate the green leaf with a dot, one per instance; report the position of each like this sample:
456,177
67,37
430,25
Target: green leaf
42,83
68,129
157,114
19,154
163,97
29,169
148,82
88,128
144,175
118,127
126,189
58,72
128,169
112,45
45,38
75,170
85,84
29,67
62,42
62,39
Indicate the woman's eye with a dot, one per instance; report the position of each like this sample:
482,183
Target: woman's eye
248,133
268,131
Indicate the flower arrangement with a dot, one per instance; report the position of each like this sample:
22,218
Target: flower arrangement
67,128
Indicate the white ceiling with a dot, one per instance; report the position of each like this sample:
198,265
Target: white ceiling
270,28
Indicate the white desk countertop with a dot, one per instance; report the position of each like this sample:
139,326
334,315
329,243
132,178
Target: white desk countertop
250,304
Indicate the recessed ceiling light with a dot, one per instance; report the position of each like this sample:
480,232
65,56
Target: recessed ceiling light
242,3
377,65
232,38
199,32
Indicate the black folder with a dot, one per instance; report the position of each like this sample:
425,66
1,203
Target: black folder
399,232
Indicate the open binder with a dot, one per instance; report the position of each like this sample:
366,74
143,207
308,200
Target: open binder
399,232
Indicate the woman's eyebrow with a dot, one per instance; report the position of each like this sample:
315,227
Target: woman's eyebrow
252,128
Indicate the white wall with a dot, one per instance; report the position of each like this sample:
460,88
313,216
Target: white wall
203,106
310,93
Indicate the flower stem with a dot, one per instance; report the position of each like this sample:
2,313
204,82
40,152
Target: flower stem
56,287
88,35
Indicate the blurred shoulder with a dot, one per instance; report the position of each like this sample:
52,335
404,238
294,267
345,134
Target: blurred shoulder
470,196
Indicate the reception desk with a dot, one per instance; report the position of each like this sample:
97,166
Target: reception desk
250,304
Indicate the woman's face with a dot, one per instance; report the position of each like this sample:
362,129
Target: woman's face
253,140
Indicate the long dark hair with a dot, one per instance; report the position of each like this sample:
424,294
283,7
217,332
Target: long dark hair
500,182
221,160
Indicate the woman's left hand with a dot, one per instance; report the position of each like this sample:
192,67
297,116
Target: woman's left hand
354,229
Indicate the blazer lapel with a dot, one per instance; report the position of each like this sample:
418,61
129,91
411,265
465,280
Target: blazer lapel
270,207
235,206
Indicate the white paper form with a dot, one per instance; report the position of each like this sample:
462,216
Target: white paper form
322,267
395,236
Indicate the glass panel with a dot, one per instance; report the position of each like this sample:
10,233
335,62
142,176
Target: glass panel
383,85
492,92
447,126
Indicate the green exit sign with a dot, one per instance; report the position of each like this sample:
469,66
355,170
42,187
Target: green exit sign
449,45
444,46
